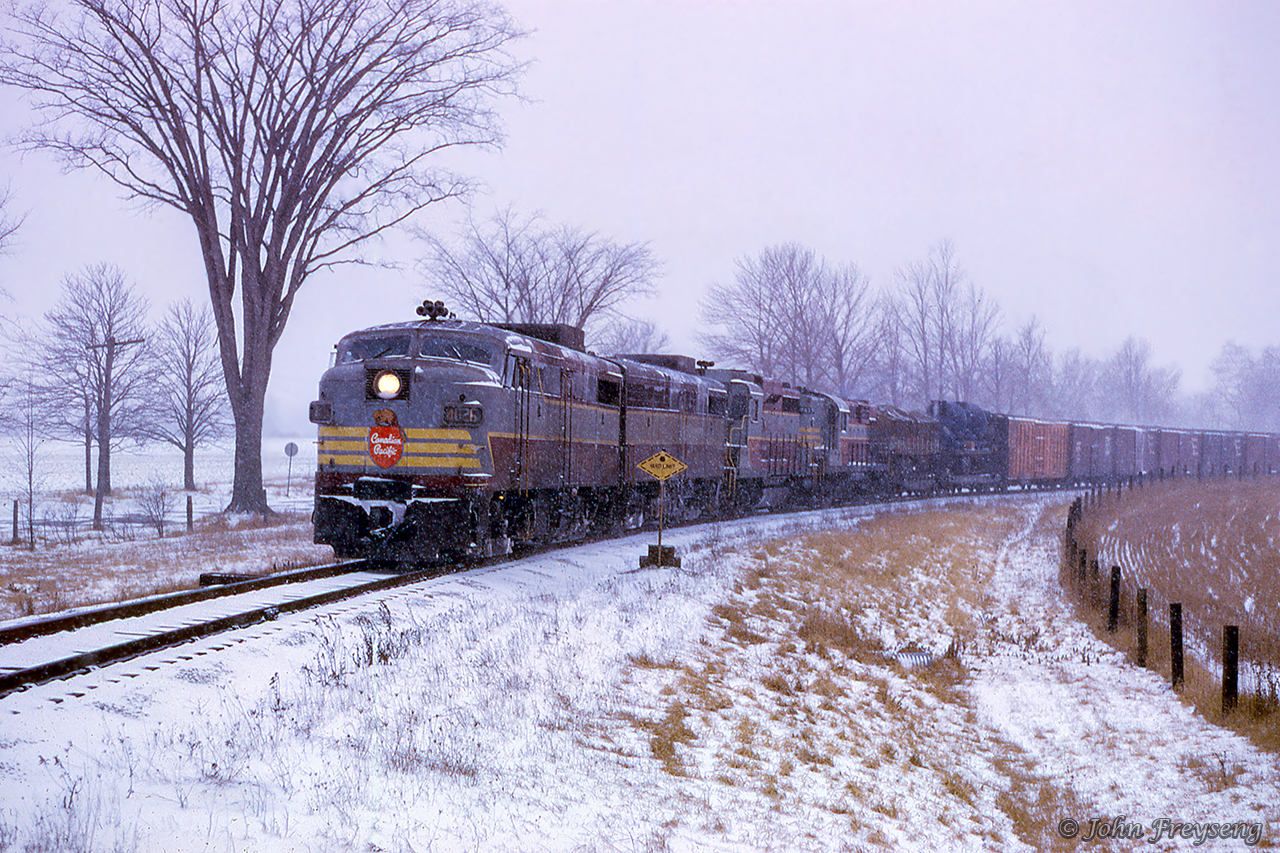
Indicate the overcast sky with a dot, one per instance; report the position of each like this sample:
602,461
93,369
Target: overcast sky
1111,167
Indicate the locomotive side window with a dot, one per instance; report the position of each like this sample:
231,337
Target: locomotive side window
646,394
688,399
608,392
457,350
382,346
717,403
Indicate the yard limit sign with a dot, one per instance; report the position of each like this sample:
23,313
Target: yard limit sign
662,466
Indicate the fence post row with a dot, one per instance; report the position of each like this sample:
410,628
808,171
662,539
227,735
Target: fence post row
1078,559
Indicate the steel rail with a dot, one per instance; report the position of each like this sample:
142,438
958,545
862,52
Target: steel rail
85,661
154,604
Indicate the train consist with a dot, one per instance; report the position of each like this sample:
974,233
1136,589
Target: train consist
441,439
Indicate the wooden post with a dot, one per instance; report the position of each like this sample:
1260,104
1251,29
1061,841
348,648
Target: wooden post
1113,610
1230,666
1083,573
662,511
190,517
1175,644
1142,626
15,523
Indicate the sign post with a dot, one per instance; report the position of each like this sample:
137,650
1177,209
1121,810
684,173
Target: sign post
290,450
662,466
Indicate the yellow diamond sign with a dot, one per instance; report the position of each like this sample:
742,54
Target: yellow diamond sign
662,465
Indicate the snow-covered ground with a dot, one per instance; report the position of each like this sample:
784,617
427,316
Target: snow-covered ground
72,565
573,702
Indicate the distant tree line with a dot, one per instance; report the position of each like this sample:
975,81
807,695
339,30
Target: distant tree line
93,370
935,334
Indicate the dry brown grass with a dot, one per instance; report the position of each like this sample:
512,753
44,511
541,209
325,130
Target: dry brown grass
1212,546
796,683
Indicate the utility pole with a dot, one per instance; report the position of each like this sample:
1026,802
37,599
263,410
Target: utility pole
104,426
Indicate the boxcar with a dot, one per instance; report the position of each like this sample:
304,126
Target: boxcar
1039,451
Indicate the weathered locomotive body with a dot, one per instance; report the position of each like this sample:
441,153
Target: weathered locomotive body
442,438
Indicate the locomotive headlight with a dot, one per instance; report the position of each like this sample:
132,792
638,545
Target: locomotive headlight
387,385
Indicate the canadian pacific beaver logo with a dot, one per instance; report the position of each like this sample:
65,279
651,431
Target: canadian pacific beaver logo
386,439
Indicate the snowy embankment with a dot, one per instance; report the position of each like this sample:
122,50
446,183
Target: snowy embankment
749,701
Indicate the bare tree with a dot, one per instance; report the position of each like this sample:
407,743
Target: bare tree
974,333
928,309
1032,369
997,376
90,358
9,221
851,320
747,311
25,416
155,502
1135,390
521,270
632,335
290,131
189,399
1075,387
888,369
1247,387
789,314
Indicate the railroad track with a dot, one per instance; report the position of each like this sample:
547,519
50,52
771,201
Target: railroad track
44,650
36,652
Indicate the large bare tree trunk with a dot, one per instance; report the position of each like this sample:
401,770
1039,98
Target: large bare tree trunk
189,467
247,493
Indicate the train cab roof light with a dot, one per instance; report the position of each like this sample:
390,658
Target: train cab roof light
433,310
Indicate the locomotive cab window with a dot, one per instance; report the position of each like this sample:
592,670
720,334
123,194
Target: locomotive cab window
382,346
433,346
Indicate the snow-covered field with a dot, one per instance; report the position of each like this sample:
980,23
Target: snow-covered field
749,701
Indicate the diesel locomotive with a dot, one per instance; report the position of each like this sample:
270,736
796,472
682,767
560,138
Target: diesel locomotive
442,440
